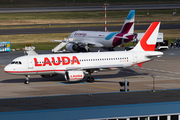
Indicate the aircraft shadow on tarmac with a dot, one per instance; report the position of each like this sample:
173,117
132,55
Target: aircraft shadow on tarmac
60,78
123,73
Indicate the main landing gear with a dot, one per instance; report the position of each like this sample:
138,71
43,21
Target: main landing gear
90,78
27,79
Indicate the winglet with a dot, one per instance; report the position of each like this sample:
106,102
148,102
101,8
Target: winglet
128,26
148,41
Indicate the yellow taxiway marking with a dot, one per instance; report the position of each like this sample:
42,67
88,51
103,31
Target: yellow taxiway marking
105,87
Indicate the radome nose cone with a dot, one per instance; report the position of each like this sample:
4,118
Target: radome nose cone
7,68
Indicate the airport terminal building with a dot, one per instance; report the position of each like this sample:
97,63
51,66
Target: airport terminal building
142,105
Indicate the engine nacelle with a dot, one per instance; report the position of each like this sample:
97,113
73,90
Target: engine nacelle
48,75
74,75
71,47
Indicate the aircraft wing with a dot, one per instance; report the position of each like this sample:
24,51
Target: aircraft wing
89,43
119,66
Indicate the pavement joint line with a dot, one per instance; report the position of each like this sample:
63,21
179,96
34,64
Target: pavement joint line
104,87
148,68
159,70
159,60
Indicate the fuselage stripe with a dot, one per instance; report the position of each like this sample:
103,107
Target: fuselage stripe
33,71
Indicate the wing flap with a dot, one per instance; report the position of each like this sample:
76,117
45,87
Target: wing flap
97,67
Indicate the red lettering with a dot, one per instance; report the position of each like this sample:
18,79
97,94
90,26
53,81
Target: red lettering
75,60
65,60
36,62
58,61
77,75
47,62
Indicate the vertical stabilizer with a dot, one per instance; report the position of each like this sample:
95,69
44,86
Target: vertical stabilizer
148,41
128,26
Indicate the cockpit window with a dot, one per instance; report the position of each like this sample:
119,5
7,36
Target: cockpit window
13,62
16,62
71,35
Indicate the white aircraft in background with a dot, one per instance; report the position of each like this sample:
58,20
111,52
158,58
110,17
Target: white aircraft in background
75,66
80,41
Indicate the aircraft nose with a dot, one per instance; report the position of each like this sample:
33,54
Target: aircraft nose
7,68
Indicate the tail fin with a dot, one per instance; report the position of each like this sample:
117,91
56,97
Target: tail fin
148,41
128,26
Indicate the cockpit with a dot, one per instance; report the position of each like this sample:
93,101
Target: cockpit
16,62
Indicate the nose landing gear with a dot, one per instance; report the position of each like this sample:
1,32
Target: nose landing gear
27,79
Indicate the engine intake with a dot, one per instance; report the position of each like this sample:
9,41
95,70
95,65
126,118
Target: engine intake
72,47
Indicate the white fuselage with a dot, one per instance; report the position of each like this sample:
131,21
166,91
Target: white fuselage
98,39
59,63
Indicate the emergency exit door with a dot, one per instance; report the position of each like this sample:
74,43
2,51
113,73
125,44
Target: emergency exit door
30,63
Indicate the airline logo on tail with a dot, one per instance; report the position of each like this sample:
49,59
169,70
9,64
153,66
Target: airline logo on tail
148,41
151,33
128,26
126,33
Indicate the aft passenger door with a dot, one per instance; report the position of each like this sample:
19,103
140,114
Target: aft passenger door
30,63
135,60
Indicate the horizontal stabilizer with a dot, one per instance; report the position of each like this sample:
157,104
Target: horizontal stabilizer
29,50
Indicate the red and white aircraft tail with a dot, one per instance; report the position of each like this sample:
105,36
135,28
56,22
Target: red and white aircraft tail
148,41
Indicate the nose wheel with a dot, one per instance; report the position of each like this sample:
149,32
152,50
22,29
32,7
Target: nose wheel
27,79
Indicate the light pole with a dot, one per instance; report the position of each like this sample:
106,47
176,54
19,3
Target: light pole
105,16
153,76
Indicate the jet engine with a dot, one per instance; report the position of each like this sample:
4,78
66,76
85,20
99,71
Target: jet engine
48,75
72,47
74,75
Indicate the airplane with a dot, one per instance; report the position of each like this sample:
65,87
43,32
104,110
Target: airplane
80,41
77,66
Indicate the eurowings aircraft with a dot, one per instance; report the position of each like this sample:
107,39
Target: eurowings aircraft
80,41
76,66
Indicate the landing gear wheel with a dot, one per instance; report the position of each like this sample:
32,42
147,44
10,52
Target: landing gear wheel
27,79
26,82
90,79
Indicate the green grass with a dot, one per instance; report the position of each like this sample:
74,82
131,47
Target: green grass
80,15
61,15
83,17
38,45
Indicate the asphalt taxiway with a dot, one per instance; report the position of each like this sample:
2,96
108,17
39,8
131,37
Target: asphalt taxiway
88,8
165,69
71,29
